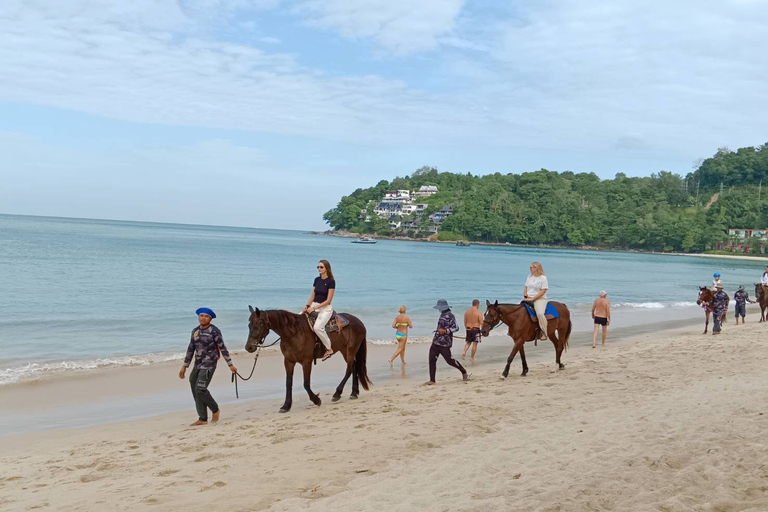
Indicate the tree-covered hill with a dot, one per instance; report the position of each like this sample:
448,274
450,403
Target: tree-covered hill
661,212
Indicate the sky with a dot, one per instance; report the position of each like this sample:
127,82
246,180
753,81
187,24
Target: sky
264,113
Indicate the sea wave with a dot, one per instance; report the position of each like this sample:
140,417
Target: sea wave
653,305
36,371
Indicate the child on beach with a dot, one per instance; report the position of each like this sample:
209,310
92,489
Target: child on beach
205,344
601,314
716,281
401,325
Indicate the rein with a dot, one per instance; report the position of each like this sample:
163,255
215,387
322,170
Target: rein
256,358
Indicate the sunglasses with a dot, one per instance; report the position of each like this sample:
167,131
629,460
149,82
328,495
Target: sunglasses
320,266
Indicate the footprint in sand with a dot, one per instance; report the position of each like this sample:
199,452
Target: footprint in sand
203,458
215,485
168,472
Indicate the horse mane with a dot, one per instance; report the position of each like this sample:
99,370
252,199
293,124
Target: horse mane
284,320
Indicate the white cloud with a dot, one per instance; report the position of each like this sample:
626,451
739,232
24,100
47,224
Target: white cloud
402,26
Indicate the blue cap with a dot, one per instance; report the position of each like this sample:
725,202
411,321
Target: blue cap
717,274
207,311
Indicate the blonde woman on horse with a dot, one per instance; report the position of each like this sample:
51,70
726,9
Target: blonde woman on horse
535,291
320,300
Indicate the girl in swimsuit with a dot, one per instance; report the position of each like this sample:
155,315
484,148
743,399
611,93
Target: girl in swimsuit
401,325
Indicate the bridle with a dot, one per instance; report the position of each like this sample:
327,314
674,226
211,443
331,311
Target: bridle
259,346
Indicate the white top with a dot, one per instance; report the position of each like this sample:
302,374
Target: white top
716,282
535,284
764,279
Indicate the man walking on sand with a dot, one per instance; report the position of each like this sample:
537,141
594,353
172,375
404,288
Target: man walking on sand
601,314
442,342
473,321
206,343
741,298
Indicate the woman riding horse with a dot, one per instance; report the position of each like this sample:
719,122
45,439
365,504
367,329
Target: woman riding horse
297,343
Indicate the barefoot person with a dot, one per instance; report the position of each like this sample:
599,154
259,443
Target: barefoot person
601,314
205,345
320,300
719,307
741,298
401,325
442,342
473,321
535,291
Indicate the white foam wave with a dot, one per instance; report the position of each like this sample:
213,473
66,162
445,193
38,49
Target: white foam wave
653,305
392,341
36,371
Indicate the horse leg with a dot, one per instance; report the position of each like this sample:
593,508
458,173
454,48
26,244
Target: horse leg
511,357
706,324
289,365
340,388
307,367
525,363
355,384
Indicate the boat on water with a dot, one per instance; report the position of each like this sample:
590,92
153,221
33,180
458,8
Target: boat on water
364,240
462,243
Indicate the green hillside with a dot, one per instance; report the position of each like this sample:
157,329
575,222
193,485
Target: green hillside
661,212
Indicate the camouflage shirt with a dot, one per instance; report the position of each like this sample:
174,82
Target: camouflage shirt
205,345
448,322
720,302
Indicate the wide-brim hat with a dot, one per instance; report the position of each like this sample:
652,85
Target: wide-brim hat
441,305
206,311
719,285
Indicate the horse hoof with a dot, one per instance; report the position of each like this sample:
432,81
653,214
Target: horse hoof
353,397
283,410
523,374
502,377
562,367
335,398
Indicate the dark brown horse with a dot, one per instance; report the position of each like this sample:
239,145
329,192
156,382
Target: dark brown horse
705,301
761,297
522,329
297,343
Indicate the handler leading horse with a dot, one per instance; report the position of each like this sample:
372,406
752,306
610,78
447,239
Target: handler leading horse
705,301
297,343
522,329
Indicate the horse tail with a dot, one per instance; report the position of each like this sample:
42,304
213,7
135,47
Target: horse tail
360,369
567,335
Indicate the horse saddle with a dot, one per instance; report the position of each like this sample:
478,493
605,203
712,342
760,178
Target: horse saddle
550,312
335,324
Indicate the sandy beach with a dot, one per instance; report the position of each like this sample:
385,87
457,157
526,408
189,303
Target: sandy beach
664,422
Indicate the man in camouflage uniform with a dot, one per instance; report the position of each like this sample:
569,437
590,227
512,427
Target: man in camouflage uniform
205,344
442,342
719,306
741,298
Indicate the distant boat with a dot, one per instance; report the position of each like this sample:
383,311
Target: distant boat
462,243
364,240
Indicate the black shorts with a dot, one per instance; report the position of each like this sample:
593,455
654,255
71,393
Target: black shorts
473,336
601,321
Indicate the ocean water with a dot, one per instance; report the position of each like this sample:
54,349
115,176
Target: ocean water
79,294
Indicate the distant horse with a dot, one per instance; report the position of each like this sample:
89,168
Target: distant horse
705,301
297,343
762,298
522,329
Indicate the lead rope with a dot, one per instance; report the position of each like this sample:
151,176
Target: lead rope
255,359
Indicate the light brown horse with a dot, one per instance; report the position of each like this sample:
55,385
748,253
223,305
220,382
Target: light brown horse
761,297
297,343
522,329
705,300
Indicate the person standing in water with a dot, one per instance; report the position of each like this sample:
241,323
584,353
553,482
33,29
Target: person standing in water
205,344
320,299
473,321
535,291
601,314
401,325
442,342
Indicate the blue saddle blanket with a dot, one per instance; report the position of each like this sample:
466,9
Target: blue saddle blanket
550,312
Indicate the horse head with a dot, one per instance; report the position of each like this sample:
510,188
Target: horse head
258,328
705,295
491,318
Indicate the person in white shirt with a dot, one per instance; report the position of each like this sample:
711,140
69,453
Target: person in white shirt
535,291
764,278
716,281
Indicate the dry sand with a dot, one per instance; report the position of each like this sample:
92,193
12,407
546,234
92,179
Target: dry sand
668,422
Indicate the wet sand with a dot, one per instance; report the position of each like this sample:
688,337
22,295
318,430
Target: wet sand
663,421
